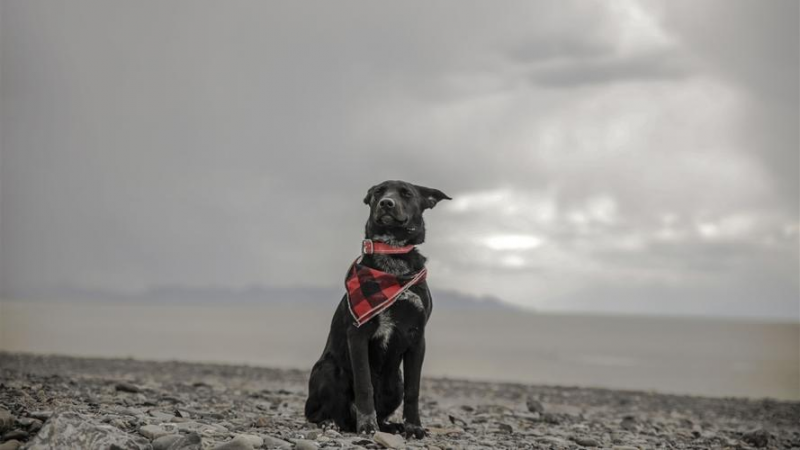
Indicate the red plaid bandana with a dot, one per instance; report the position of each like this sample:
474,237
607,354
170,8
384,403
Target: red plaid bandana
370,291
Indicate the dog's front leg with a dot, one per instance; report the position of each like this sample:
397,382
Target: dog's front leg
412,370
358,344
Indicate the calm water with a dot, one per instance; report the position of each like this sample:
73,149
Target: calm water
696,356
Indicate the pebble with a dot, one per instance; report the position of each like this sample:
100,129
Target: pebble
10,445
255,440
152,431
30,423
127,387
553,440
238,443
628,423
164,442
15,434
191,441
305,444
757,438
311,435
161,416
41,415
586,442
276,443
262,422
506,428
136,412
389,440
624,447
6,420
534,406
191,425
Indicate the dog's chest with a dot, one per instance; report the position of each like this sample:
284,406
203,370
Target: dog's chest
388,320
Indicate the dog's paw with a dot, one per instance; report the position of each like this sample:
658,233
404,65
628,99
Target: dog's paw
414,431
366,423
392,427
326,425
367,428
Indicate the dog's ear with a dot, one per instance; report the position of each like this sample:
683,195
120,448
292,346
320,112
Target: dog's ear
368,198
430,196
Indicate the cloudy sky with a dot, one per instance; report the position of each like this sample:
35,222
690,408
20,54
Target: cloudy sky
615,157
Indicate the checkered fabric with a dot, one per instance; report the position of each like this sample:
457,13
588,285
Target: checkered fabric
370,291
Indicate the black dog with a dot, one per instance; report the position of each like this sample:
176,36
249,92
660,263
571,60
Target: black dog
357,384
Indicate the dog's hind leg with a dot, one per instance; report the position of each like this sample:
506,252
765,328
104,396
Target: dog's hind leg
330,396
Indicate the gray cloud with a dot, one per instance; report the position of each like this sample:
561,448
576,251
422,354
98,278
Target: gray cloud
202,144
756,48
663,65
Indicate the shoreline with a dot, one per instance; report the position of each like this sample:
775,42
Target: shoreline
682,357
223,403
100,359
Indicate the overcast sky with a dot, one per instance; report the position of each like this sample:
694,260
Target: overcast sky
617,157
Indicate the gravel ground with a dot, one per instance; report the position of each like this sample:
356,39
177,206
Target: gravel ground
62,402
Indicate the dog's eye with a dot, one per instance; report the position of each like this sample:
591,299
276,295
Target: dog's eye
379,191
406,193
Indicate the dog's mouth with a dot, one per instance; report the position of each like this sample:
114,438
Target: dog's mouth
386,219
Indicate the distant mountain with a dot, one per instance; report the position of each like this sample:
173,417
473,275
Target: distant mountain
254,295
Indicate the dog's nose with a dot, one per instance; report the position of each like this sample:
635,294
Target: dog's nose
386,203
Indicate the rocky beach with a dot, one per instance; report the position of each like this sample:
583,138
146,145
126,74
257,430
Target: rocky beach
55,402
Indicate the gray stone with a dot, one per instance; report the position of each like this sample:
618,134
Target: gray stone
534,406
757,438
273,442
41,415
72,430
238,443
305,444
152,431
190,425
165,442
136,412
33,425
191,441
255,440
628,423
389,440
10,445
586,441
311,434
127,387
15,434
161,416
552,440
6,420
333,434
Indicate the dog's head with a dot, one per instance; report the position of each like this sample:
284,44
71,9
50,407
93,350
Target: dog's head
396,209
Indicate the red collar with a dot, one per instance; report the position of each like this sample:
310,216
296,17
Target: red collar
369,247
